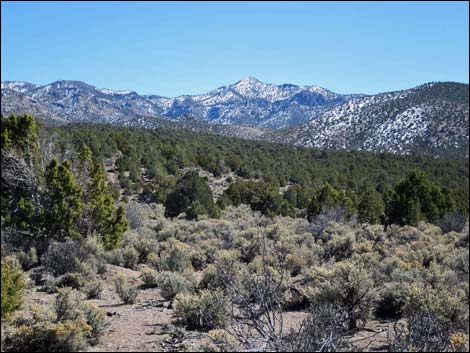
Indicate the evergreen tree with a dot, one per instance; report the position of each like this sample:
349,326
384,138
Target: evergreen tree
12,287
100,214
418,199
193,196
63,201
20,132
112,235
85,163
371,207
330,200
20,191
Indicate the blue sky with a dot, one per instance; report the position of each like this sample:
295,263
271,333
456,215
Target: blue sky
187,48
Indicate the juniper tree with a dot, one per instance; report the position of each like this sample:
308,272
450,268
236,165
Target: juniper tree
371,207
63,205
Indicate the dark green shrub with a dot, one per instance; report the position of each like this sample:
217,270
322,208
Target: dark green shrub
193,196
12,287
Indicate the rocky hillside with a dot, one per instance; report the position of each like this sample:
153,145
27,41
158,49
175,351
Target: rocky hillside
431,119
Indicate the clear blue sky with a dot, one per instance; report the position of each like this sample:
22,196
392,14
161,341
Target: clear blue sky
187,48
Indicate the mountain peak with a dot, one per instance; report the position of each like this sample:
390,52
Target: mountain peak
249,80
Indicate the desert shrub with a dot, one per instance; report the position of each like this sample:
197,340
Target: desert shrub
149,277
28,259
391,301
134,215
66,336
452,222
422,333
176,258
98,265
127,293
198,259
458,342
93,289
449,307
92,246
349,285
219,340
71,326
460,263
73,280
95,254
210,278
115,257
323,330
127,257
130,257
249,248
62,258
12,287
172,283
153,260
67,304
144,248
204,311
95,318
142,242
49,283
294,264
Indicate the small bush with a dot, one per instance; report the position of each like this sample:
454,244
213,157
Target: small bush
348,285
126,292
150,278
93,289
96,318
176,258
28,259
172,283
203,311
115,257
422,333
322,330
12,287
452,222
66,336
391,301
67,304
220,341
210,278
130,257
294,264
62,258
73,280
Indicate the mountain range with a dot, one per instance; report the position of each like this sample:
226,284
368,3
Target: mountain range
430,119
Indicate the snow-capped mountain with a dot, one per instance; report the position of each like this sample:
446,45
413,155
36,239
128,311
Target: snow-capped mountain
431,118
252,102
248,102
75,101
